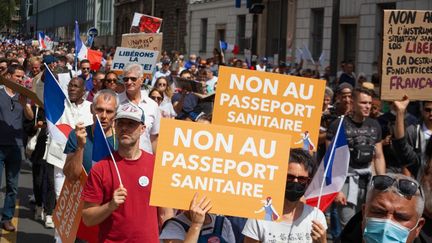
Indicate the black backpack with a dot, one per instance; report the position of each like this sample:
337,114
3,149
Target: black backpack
214,237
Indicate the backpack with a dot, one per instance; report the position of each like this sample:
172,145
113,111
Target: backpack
214,237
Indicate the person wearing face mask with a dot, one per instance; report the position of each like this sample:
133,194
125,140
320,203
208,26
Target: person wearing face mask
393,209
299,222
426,183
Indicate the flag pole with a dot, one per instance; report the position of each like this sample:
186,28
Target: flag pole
49,70
112,156
328,164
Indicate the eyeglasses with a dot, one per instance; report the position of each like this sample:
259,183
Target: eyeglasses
301,179
111,80
85,68
12,107
162,84
429,110
156,98
134,79
405,187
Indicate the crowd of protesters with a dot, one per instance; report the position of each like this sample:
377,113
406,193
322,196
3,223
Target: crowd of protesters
386,198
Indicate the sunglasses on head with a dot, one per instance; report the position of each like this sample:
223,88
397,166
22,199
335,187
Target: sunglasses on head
301,179
134,79
405,187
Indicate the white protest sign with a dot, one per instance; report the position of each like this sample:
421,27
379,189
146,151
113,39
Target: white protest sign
126,56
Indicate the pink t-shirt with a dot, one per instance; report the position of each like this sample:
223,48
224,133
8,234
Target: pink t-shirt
135,220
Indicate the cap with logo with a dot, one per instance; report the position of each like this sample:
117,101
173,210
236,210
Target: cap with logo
130,111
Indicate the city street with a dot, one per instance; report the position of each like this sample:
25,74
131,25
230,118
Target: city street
29,230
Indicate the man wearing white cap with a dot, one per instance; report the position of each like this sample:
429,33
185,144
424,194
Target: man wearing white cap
120,203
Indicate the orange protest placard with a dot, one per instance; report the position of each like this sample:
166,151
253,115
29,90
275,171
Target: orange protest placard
67,214
239,170
406,55
270,102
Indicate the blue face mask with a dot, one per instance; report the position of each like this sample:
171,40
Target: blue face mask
385,230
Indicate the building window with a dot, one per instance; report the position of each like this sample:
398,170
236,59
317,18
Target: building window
241,32
317,32
203,37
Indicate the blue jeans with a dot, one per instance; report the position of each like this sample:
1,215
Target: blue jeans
10,159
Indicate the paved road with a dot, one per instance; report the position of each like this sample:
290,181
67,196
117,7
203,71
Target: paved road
29,230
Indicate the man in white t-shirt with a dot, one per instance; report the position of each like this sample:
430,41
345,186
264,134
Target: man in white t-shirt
262,65
299,222
133,79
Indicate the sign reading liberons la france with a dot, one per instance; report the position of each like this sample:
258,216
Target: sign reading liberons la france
126,56
407,55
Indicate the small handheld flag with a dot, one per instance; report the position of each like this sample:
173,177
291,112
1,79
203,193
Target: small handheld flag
332,172
101,147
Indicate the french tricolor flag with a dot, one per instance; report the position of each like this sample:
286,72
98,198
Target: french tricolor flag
101,147
57,109
82,52
41,40
332,172
224,46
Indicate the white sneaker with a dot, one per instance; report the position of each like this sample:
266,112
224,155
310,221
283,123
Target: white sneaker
49,222
38,213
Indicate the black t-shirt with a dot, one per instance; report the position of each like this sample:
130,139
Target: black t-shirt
361,138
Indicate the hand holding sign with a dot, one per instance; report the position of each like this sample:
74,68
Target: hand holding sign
237,168
198,210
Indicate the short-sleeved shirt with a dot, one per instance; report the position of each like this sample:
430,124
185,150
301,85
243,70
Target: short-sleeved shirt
174,231
152,118
135,221
11,117
72,145
367,132
190,101
298,231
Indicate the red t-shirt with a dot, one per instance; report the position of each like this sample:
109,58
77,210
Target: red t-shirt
135,220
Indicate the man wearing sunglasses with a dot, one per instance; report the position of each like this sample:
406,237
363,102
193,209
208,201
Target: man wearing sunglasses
86,75
364,141
414,145
392,213
133,79
393,209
